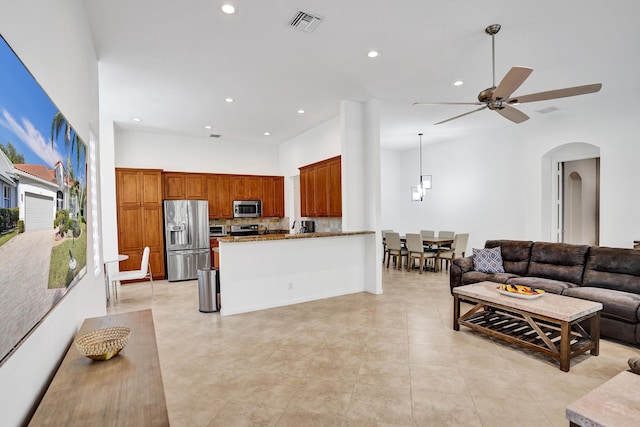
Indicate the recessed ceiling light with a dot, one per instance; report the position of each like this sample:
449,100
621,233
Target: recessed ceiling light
135,119
207,127
228,9
458,83
229,99
373,53
267,133
300,111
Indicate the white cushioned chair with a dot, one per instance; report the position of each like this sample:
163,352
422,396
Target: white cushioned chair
143,273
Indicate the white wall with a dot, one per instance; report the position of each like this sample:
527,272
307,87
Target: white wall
392,191
54,42
186,154
491,185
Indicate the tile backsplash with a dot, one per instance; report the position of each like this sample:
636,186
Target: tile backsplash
323,225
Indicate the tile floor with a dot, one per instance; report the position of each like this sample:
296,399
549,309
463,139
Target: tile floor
357,360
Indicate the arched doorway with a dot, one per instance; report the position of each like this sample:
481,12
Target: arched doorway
571,194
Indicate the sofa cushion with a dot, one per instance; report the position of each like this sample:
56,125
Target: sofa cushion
477,276
559,261
515,254
547,285
487,260
613,268
623,306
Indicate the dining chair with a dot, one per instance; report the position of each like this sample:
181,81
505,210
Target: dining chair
415,250
394,249
427,233
457,250
143,273
446,235
384,244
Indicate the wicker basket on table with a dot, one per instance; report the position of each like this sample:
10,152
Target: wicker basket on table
103,344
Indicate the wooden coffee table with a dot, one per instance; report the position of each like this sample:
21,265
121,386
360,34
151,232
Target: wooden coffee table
548,324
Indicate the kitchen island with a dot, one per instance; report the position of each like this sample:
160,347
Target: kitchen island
273,270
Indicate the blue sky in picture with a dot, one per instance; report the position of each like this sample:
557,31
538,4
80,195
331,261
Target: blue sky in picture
26,114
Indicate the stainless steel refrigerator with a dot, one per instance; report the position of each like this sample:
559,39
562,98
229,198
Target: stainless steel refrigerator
186,235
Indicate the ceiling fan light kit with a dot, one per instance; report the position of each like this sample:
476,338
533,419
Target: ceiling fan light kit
499,99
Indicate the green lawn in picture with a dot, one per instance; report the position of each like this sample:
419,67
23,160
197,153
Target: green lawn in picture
59,274
6,237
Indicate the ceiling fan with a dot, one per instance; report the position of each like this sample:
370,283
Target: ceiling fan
499,99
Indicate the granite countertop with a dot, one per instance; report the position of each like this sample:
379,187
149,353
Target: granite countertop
276,236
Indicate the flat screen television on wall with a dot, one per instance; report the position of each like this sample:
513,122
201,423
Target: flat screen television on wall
43,185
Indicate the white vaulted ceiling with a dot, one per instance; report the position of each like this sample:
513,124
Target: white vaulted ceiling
173,63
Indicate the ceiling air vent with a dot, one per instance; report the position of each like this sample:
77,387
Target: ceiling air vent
214,135
305,21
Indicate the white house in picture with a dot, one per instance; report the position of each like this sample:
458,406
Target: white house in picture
41,193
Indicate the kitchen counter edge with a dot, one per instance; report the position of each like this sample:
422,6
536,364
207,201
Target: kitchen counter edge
264,237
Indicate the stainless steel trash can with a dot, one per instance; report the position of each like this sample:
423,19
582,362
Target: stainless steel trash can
207,280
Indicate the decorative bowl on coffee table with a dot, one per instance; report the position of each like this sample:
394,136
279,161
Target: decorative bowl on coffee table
518,291
103,344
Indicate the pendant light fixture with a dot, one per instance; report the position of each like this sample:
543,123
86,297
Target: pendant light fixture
424,182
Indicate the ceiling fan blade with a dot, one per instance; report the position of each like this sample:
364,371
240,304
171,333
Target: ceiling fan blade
448,103
461,115
512,81
513,114
557,93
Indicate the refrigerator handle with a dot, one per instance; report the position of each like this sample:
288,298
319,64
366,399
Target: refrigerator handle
189,227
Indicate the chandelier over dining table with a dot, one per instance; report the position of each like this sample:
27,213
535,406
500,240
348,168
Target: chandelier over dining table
424,181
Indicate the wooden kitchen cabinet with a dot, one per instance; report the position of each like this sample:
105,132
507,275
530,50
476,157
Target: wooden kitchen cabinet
185,186
220,190
225,197
321,189
213,188
215,255
273,196
278,197
267,197
173,185
139,216
247,187
335,187
195,186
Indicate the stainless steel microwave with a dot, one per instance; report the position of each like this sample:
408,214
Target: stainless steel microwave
247,208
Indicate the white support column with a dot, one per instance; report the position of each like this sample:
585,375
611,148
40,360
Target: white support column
360,133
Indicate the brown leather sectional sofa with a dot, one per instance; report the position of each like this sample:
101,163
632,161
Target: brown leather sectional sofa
610,276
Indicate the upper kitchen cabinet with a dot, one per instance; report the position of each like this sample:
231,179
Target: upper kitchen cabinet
321,189
225,196
185,186
273,196
247,187
335,187
136,187
213,189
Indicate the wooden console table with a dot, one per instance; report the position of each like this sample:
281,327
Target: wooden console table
126,390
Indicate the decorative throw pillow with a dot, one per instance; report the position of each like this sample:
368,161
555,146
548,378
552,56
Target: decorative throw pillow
488,260
634,364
